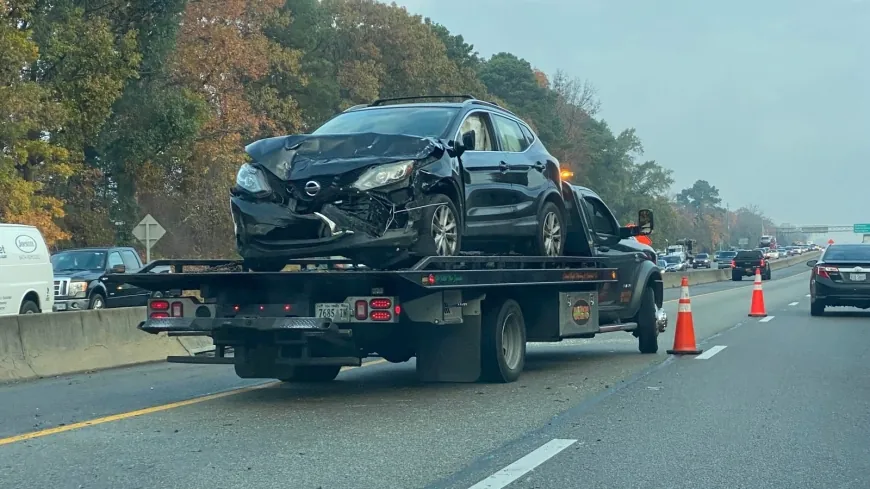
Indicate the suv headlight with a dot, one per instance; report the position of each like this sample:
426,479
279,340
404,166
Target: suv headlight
252,179
382,175
77,289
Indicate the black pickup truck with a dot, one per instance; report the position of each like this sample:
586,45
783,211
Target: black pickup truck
465,318
746,262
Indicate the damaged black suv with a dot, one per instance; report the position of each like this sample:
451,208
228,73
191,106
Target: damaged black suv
389,182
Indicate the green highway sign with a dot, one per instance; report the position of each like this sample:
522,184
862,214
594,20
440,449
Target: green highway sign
861,228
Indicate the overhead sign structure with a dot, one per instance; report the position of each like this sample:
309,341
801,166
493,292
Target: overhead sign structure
149,232
861,228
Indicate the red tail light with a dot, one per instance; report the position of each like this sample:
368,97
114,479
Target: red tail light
160,305
381,316
762,262
733,263
823,271
159,315
380,303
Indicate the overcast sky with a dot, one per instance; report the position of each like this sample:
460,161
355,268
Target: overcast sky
768,100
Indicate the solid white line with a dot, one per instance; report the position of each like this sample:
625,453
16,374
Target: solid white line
524,465
766,320
792,303
709,353
808,295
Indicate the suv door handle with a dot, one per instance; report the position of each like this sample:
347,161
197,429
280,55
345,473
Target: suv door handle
502,166
539,166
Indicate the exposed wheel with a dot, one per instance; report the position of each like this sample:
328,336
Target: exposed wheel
312,373
440,227
98,301
817,308
647,331
503,342
550,234
265,265
766,275
737,277
28,307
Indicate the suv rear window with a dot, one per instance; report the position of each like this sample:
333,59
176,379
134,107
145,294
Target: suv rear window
414,121
848,253
749,255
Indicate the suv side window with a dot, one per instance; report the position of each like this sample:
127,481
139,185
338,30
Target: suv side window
114,259
527,133
510,135
130,261
479,123
603,221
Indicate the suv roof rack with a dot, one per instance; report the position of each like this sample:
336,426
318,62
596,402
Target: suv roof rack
381,101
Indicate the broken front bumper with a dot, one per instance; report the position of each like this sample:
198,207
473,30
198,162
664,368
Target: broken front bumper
271,230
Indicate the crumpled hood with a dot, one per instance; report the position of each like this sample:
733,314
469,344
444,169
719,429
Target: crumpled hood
305,156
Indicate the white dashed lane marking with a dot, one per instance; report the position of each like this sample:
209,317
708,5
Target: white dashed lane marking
709,353
793,303
524,465
766,320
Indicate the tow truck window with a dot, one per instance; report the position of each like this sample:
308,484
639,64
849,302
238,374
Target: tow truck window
602,220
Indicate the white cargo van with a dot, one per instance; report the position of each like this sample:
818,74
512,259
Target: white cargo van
26,276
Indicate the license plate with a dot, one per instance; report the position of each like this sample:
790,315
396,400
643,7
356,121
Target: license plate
332,310
60,307
857,277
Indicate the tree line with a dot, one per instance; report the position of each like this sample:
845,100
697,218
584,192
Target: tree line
115,109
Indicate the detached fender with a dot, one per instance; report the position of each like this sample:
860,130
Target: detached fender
441,175
648,275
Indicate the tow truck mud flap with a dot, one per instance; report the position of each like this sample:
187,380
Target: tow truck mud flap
447,336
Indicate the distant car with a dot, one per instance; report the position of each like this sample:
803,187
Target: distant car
840,277
723,259
663,265
674,263
387,183
702,260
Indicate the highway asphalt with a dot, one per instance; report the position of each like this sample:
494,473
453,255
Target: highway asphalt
784,404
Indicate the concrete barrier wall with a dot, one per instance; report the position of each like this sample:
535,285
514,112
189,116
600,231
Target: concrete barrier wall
44,345
673,279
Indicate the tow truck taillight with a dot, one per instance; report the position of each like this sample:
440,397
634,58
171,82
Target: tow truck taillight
380,303
177,309
159,305
381,316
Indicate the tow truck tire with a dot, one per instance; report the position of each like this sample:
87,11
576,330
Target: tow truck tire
503,342
647,331
313,373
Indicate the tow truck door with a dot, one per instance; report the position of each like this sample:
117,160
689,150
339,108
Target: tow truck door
604,227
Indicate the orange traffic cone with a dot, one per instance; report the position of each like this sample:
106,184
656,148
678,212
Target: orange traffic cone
684,335
756,309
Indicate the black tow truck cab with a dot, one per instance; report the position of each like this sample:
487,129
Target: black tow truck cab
464,318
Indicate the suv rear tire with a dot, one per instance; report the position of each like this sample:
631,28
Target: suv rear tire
550,231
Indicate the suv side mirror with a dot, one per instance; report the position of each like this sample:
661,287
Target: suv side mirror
118,269
469,141
645,222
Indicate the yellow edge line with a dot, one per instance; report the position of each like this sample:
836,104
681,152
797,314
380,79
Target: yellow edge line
150,410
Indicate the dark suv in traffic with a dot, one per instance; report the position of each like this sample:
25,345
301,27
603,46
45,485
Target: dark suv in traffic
392,181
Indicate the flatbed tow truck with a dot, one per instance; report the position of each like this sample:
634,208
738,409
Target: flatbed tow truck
464,318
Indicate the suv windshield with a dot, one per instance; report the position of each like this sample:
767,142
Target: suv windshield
671,260
848,253
416,121
702,256
68,261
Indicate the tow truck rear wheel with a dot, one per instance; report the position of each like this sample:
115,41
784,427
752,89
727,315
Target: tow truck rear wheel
503,341
647,331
